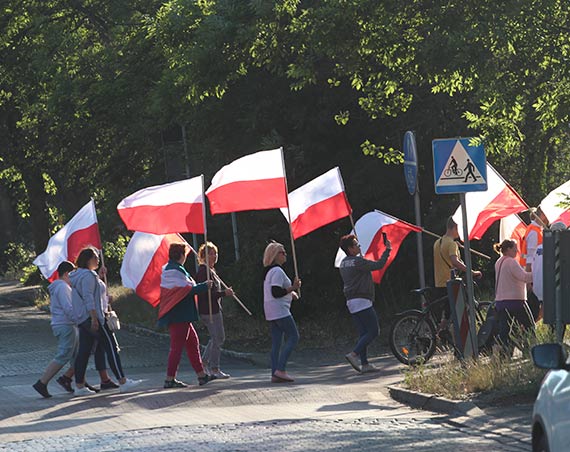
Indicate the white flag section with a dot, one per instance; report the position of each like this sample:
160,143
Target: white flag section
253,182
512,228
485,207
81,231
551,208
317,203
369,229
167,208
142,265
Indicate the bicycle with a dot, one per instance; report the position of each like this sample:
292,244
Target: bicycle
456,172
414,333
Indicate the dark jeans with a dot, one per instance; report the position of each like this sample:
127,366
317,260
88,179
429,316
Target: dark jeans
514,318
279,328
366,322
108,342
88,343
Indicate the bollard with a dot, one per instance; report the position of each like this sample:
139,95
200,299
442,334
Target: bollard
465,339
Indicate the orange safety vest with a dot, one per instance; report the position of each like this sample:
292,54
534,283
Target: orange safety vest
524,252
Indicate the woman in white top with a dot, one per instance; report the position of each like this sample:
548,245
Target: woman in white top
278,292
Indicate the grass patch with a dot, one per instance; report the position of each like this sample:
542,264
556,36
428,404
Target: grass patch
497,373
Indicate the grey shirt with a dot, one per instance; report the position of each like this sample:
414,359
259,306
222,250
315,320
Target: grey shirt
85,294
355,273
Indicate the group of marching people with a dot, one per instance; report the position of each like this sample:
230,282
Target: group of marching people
80,308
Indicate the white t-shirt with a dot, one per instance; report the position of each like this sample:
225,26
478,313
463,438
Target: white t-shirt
531,245
276,308
537,273
358,304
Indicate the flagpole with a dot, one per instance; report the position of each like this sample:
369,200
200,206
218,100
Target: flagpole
289,220
206,248
478,253
225,286
346,196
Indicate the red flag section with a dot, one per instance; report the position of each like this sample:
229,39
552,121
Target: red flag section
142,265
253,182
164,209
81,231
485,207
317,203
369,229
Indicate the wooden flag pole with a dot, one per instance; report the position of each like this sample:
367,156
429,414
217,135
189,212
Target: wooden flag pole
293,252
206,249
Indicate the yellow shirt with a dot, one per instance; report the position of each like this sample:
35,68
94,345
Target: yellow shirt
443,249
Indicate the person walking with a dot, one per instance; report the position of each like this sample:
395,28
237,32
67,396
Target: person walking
359,292
510,294
215,322
278,293
88,299
177,311
64,328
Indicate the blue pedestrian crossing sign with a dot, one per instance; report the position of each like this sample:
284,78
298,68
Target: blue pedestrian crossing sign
458,167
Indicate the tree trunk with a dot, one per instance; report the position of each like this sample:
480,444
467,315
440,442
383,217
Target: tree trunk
38,209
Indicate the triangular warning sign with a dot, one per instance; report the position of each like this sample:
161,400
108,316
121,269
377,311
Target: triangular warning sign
459,169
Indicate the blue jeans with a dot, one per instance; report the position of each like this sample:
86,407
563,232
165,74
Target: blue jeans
279,356
366,322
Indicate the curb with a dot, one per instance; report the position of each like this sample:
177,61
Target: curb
434,403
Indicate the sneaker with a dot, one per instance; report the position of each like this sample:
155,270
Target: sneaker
174,384
369,368
129,385
109,384
91,388
85,391
221,375
205,379
353,360
65,383
42,389
283,375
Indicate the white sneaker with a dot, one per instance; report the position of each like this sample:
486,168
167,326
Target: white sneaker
129,385
84,391
221,375
354,361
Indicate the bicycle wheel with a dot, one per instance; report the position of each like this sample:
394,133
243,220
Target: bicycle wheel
447,172
412,338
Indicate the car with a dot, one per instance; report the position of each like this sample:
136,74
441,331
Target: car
551,413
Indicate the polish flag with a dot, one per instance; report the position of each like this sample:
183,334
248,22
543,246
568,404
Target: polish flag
317,203
253,182
369,229
485,207
142,265
81,231
164,209
551,208
512,227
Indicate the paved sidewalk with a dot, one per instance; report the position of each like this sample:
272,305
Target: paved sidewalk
329,407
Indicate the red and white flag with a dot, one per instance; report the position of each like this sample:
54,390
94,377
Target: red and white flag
81,231
369,229
142,265
512,227
253,182
164,209
317,203
486,207
551,204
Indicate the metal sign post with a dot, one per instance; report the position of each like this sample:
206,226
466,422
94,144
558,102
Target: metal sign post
411,176
459,167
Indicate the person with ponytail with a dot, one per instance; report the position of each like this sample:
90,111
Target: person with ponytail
510,293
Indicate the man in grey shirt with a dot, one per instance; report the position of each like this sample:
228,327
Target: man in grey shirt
359,292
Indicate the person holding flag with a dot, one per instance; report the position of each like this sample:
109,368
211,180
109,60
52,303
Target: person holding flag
355,271
278,292
214,322
177,310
